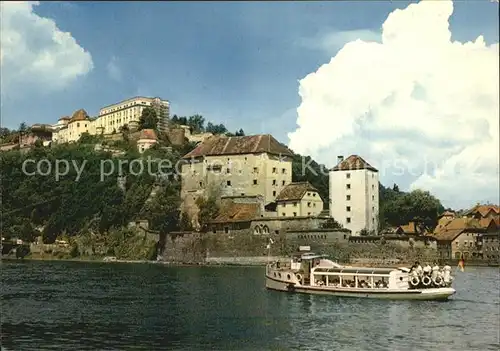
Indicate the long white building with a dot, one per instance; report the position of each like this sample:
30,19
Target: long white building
354,197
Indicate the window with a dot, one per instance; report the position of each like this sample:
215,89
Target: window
348,219
283,214
348,197
295,204
201,183
226,230
373,209
348,208
255,182
348,186
214,230
283,205
314,194
274,181
78,125
314,204
373,197
348,175
255,170
295,214
228,170
308,204
228,183
274,169
308,213
274,193
283,171
373,187
283,183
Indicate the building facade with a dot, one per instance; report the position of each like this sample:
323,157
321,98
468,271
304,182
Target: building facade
112,117
354,194
236,166
299,199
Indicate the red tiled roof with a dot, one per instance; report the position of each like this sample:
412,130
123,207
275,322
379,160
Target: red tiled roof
149,134
352,163
447,214
252,144
455,227
483,210
237,212
295,191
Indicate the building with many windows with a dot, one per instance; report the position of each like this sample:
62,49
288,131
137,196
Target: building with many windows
237,166
128,112
354,194
110,119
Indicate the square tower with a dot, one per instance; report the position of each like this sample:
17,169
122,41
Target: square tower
354,194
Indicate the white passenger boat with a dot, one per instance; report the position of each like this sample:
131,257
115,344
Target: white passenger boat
316,274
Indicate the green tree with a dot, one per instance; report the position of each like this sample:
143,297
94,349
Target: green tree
216,128
208,207
418,206
148,119
196,123
331,223
163,211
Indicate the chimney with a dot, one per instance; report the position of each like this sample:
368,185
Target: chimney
340,159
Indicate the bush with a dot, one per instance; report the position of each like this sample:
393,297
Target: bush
74,251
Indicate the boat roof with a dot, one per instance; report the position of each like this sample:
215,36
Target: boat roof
355,270
311,256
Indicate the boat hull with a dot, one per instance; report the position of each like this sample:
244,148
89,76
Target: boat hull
385,294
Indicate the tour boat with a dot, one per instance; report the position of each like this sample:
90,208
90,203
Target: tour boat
316,274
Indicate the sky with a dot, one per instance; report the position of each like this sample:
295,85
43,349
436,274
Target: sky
411,87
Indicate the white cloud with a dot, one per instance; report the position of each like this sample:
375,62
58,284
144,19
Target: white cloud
333,40
114,70
415,100
35,53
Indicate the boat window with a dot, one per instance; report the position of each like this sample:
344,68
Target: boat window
288,276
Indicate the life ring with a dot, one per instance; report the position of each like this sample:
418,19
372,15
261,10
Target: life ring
426,280
438,280
414,281
298,276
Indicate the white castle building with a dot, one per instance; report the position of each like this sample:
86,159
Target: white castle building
354,194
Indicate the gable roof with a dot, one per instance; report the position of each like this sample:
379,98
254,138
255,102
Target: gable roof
251,144
483,210
353,162
409,228
295,191
447,214
456,226
237,212
149,134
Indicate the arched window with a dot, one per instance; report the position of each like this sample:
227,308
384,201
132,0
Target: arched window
457,255
265,230
257,230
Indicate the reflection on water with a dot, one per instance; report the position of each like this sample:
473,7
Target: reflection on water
83,306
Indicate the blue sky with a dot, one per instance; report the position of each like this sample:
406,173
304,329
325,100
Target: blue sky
237,63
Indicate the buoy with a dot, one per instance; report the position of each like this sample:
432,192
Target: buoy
414,281
426,280
438,280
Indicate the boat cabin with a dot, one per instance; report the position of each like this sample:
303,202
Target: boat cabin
355,277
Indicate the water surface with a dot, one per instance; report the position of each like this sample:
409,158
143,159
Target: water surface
113,306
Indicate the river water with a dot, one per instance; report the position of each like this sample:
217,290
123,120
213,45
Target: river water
113,306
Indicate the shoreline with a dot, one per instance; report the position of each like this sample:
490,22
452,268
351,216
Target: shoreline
249,261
